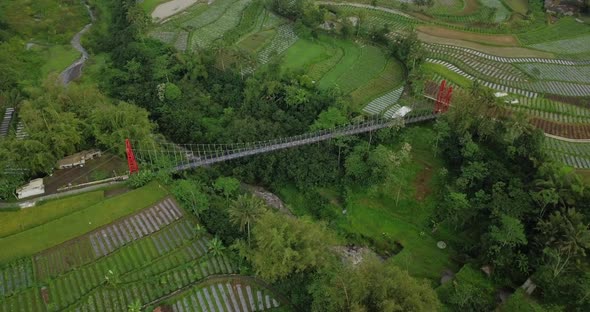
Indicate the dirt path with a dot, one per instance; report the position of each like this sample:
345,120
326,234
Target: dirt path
75,69
165,10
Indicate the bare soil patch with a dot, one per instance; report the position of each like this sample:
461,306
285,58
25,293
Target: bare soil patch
422,182
499,40
116,191
165,10
571,131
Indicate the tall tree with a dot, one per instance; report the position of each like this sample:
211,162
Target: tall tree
283,245
245,210
372,286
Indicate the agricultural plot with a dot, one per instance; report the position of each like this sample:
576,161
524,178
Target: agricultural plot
375,17
551,110
501,13
225,295
16,276
488,84
284,38
353,72
379,105
566,46
96,244
576,155
476,63
578,73
564,130
203,36
566,26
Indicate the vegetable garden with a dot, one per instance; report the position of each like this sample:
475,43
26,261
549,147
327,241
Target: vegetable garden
143,256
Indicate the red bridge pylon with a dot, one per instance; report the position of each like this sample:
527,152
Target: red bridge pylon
131,162
443,99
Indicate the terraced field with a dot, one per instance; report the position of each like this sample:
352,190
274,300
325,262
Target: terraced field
203,24
144,256
576,155
225,294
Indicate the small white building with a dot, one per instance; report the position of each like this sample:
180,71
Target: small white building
35,187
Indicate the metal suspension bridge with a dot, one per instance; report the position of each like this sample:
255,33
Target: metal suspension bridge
189,156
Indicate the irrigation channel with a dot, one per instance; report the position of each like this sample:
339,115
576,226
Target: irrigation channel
75,69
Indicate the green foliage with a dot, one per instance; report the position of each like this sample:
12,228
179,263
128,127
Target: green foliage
190,193
282,245
228,186
373,286
143,177
469,291
245,211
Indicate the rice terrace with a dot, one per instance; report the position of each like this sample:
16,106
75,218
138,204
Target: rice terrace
294,155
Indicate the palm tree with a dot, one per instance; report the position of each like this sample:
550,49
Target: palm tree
216,247
244,211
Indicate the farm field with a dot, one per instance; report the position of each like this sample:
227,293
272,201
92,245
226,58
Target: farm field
226,294
144,255
69,226
12,222
576,155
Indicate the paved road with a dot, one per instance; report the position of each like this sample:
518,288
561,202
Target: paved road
75,69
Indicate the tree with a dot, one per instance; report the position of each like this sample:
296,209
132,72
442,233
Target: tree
215,247
510,232
115,123
565,237
245,210
227,185
372,286
283,245
191,195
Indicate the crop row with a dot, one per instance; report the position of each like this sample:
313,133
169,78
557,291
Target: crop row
86,248
148,221
566,46
225,297
203,36
375,18
556,111
153,287
284,38
488,84
28,300
16,276
252,18
573,154
516,59
140,256
380,104
557,72
478,65
567,26
501,13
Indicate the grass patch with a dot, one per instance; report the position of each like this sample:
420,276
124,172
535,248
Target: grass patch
518,6
82,221
57,58
359,65
17,221
304,53
390,78
443,71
